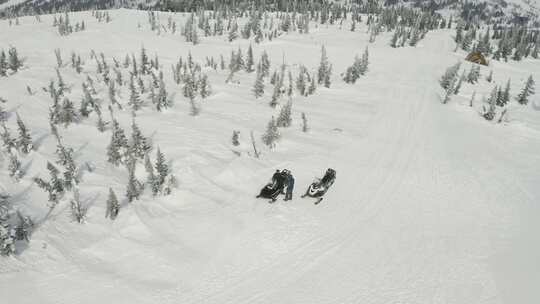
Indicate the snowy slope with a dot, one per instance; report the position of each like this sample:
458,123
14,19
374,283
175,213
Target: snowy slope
432,204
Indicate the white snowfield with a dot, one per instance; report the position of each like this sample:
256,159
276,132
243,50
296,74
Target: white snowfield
432,204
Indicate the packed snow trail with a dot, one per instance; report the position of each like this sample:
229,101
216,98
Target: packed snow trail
431,204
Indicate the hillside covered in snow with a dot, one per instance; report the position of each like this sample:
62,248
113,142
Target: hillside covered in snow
133,144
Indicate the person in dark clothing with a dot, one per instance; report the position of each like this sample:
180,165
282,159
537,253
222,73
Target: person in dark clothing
290,186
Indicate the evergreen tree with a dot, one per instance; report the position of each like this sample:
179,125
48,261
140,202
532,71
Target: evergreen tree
271,135
474,74
139,145
24,142
265,64
285,117
78,211
3,64
118,146
162,171
505,95
14,167
204,86
324,67
134,97
449,76
249,60
258,88
305,127
113,207
528,90
134,187
489,113
67,114
312,86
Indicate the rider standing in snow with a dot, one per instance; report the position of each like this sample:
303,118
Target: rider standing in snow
290,186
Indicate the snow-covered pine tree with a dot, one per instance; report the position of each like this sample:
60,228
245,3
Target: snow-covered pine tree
24,142
449,76
489,114
474,74
8,142
312,86
134,188
271,135
324,67
88,101
3,64
14,167
204,86
118,146
163,101
162,171
505,95
265,64
134,98
258,87
113,206
139,145
305,127
327,77
67,114
150,179
285,118
523,96
78,211
364,62
7,241
145,63
249,60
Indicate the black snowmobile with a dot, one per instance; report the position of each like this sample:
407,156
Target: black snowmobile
275,187
319,187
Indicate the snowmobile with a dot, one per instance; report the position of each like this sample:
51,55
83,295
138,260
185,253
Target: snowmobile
274,188
319,187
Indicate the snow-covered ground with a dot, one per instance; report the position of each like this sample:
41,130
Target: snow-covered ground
432,204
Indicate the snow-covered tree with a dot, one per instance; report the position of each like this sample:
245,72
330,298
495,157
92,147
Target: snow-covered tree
474,74
450,75
285,118
204,86
134,98
249,60
78,211
139,145
305,127
272,134
523,96
3,64
14,167
113,206
118,146
258,87
324,70
134,187
24,142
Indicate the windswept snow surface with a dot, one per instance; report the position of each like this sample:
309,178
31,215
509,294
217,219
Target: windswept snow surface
432,204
